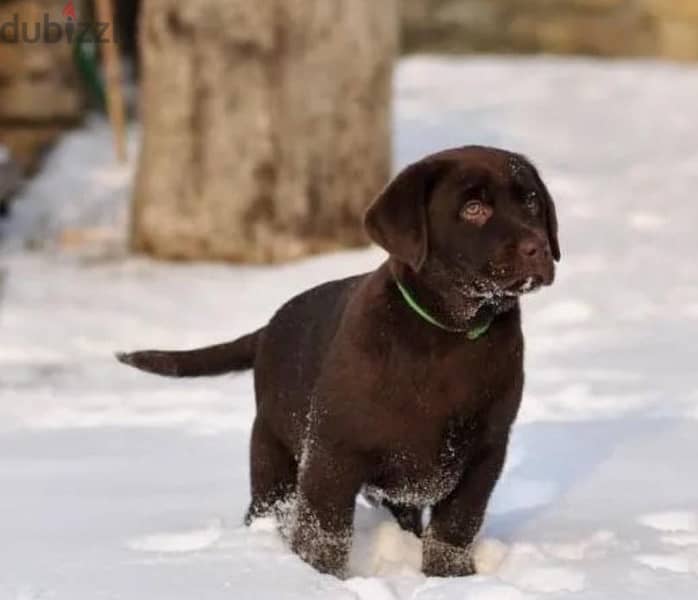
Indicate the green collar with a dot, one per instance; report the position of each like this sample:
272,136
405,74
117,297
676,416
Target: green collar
472,334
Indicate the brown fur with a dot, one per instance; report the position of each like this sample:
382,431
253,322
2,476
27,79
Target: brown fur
355,391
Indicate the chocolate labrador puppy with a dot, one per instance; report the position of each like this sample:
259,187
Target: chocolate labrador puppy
403,382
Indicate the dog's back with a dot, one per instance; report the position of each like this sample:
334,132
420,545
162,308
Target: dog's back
290,356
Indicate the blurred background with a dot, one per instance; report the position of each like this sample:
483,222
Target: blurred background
266,130
172,171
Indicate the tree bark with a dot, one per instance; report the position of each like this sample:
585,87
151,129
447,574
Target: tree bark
266,125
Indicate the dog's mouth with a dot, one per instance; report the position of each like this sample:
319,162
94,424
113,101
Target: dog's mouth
492,290
523,286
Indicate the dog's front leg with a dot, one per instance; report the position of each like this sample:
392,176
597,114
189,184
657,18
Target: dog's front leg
328,483
456,520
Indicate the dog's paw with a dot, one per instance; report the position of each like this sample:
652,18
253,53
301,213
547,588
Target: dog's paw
442,559
325,551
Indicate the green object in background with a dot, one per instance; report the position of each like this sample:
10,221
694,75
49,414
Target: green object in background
86,59
10,179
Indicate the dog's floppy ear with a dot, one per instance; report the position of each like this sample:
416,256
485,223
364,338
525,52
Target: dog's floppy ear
551,221
550,215
397,219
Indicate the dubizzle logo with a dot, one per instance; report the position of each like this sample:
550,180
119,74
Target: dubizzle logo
46,31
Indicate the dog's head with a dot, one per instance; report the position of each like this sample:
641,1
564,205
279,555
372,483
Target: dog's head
481,217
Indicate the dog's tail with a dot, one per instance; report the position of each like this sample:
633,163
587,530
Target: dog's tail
238,355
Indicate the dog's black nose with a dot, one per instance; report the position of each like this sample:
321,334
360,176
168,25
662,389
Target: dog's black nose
532,247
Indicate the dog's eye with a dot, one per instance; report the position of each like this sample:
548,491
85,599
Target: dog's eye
531,203
476,211
473,208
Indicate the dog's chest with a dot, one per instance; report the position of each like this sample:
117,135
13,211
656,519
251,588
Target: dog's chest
422,474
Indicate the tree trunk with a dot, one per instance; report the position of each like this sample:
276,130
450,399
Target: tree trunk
266,125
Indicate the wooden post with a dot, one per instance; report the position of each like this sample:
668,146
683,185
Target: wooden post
112,70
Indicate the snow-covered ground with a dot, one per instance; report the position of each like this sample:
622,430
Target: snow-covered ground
117,485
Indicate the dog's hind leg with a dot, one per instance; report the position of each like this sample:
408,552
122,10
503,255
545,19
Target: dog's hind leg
273,473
